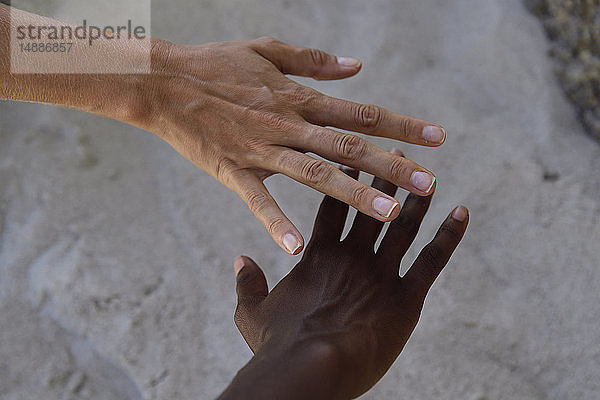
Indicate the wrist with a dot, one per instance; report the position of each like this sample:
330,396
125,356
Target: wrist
137,94
151,98
307,369
136,99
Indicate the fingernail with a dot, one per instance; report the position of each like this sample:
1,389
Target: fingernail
291,243
346,168
348,61
397,152
422,181
238,264
384,206
434,134
460,214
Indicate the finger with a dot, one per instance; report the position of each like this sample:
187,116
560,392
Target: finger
402,232
258,199
304,61
365,229
251,288
327,179
331,217
372,120
250,280
362,155
436,254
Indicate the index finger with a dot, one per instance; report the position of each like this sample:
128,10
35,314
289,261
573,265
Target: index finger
372,120
434,257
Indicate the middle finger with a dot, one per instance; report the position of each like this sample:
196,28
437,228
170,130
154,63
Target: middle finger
329,180
362,155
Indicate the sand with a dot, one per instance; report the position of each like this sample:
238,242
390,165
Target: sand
116,254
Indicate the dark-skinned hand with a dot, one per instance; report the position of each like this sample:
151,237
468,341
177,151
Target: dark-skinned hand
335,324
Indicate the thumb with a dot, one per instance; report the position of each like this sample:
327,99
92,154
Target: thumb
302,61
250,279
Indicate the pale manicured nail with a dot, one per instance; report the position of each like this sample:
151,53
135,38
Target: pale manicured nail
291,243
238,264
422,181
460,214
384,206
348,61
397,152
434,134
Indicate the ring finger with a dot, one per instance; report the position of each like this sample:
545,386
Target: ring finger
329,180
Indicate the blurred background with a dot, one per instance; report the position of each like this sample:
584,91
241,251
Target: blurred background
116,254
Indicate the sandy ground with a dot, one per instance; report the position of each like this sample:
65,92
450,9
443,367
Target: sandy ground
115,253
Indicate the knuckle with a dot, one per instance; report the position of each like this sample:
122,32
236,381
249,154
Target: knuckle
276,225
360,195
329,352
257,201
368,116
318,134
318,57
316,172
255,145
398,169
302,97
350,147
267,152
432,256
266,101
268,40
287,159
273,121
223,169
407,125
449,230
